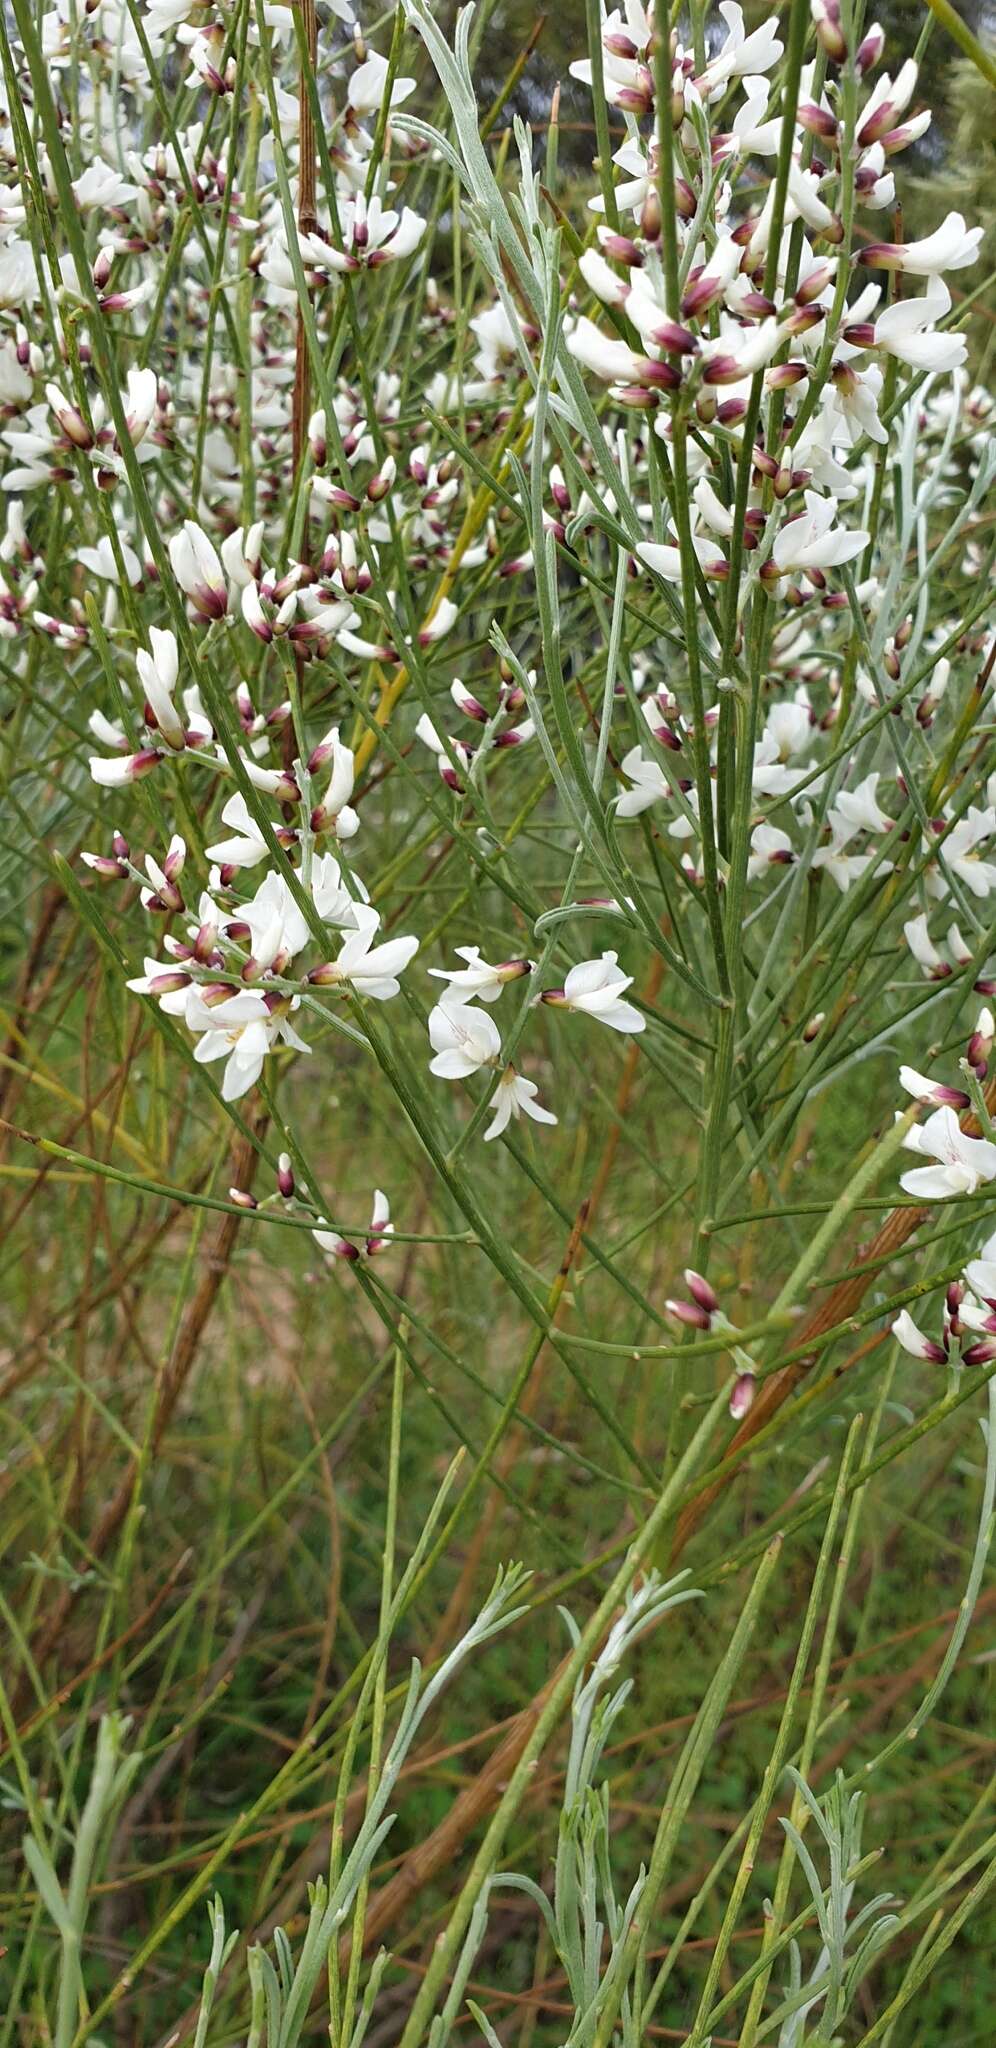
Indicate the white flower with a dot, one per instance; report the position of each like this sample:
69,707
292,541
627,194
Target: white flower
860,808
845,867
648,780
952,246
923,1089
664,558
751,134
740,53
122,769
18,280
736,352
913,1340
241,554
711,509
802,199
372,235
600,278
771,774
101,185
157,673
341,774
162,980
371,970
463,1040
981,1273
924,951
813,541
605,355
365,91
198,570
886,101
100,561
140,400
710,283
906,330
596,988
247,847
329,894
959,851
164,893
789,724
513,1097
241,1030
767,845
963,1163
381,1228
478,979
277,927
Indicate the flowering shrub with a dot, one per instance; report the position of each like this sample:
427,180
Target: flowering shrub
515,666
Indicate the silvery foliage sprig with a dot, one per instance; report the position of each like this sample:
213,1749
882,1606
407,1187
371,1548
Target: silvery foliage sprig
850,1943
288,1997
585,1918
281,1992
67,1905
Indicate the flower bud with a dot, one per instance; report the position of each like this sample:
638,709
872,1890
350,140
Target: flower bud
285,1176
829,32
870,50
742,1395
690,1313
650,217
817,120
379,485
980,1044
106,869
701,1291
69,417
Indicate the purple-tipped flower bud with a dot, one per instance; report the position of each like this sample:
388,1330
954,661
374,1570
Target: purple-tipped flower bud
689,1312
701,1291
206,944
104,867
936,1093
620,249
742,1395
980,1045
870,50
980,1354
829,32
818,120
379,485
242,1198
285,1176
69,417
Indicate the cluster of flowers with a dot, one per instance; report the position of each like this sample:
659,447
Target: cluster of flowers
968,1318
211,977
376,489
963,1162
746,307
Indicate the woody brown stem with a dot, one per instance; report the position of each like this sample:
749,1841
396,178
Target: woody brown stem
485,1789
